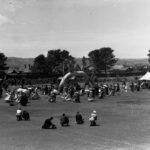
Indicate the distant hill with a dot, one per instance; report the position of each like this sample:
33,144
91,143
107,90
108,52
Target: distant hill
15,63
129,62
19,63
132,62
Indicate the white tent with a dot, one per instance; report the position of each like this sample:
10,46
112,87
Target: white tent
146,76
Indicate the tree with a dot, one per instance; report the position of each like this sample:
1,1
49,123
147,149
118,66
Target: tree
102,59
148,56
86,67
84,64
40,64
3,65
59,61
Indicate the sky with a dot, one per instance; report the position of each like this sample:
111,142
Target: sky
32,27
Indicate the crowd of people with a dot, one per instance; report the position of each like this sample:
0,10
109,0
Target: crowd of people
99,90
69,92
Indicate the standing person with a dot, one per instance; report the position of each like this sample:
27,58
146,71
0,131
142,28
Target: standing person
106,89
12,98
93,118
132,87
113,90
1,91
118,88
71,91
79,118
126,88
42,90
91,95
46,90
96,88
101,92
138,86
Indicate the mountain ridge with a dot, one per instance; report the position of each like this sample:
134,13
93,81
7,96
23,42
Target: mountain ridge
18,62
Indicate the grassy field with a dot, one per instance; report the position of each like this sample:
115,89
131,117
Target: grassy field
123,124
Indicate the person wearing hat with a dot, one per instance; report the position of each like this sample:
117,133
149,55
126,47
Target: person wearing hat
93,118
48,124
19,114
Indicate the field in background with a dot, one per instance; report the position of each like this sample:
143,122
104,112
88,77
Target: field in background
123,124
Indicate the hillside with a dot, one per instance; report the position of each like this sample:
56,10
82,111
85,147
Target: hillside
129,62
19,63
132,62
15,63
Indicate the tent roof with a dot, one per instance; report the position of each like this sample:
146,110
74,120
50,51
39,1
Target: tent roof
146,76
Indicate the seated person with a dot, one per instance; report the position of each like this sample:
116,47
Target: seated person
93,118
91,95
79,119
52,97
25,115
64,120
19,114
48,124
7,98
76,97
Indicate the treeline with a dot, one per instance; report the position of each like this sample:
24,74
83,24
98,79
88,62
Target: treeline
59,62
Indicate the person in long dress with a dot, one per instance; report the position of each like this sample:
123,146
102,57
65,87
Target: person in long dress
93,118
19,114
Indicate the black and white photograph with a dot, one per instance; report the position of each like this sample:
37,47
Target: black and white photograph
74,74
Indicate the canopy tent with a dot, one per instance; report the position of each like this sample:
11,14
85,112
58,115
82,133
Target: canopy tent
74,74
146,76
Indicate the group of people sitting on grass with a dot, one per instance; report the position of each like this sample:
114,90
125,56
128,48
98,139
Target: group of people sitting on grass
64,120
21,95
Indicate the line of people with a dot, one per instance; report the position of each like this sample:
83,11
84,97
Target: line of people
64,120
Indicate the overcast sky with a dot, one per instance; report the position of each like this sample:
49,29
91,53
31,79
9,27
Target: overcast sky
32,27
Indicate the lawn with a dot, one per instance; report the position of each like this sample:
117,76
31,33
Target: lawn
123,124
